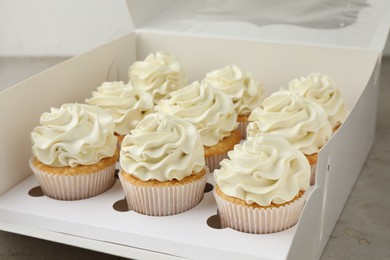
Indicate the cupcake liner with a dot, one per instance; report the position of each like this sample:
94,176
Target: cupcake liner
313,168
163,200
75,187
259,221
242,126
212,162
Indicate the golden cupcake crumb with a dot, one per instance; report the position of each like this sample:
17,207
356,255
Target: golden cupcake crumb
238,201
242,118
120,138
80,169
312,158
223,146
138,182
336,128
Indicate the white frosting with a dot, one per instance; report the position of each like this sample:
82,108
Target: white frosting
209,109
265,169
163,148
74,134
302,122
244,91
322,89
159,74
126,104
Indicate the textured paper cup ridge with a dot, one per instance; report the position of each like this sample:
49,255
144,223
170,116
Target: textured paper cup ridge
163,201
313,168
212,162
75,187
259,221
243,126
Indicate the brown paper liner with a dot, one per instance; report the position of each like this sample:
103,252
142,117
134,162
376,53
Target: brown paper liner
216,153
155,198
74,186
257,219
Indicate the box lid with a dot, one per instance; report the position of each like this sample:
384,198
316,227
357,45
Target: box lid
362,24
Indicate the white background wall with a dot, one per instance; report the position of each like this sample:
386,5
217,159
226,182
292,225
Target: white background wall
62,27
59,27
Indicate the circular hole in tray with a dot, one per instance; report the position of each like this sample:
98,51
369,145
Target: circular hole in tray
209,187
214,222
36,192
121,205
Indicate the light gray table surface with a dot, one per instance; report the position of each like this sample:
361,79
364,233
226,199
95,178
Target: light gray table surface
362,231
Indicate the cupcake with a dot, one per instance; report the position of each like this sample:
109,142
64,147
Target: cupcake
126,104
163,168
241,87
321,89
159,74
303,122
74,152
212,113
261,187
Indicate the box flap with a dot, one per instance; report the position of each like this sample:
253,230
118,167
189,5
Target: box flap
362,24
143,11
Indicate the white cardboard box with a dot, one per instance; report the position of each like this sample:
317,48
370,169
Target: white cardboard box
96,225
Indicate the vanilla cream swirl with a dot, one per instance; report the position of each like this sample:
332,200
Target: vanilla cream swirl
126,104
322,89
163,148
209,109
264,169
159,74
302,122
74,134
239,85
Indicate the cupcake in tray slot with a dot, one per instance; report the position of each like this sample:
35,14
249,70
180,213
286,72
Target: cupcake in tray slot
74,152
162,166
261,187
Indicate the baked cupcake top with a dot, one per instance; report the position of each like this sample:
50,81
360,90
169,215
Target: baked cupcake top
74,134
126,104
209,109
163,148
302,122
322,89
159,74
264,169
239,85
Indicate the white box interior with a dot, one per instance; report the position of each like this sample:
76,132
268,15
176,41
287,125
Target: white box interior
185,235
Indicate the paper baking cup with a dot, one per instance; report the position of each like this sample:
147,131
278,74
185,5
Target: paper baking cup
212,162
75,187
259,221
313,168
242,126
164,200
